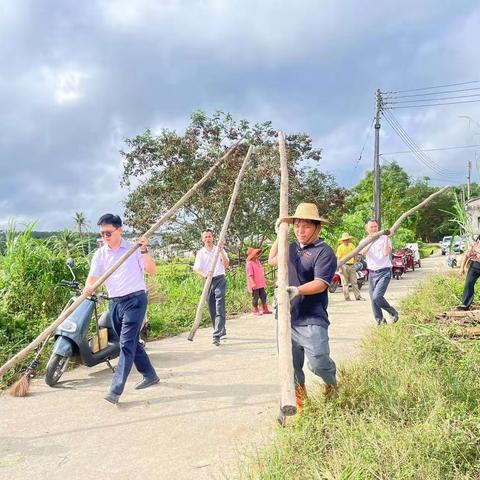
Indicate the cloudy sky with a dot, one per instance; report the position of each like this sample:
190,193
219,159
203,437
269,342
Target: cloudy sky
76,78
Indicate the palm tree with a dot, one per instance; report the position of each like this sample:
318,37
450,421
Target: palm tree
81,221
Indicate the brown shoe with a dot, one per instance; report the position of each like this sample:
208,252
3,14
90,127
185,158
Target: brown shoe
300,396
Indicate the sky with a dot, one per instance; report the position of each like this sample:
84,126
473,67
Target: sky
77,78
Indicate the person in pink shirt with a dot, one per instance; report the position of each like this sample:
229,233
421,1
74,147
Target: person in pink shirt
256,280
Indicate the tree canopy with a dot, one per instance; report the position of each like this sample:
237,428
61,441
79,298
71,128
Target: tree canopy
158,169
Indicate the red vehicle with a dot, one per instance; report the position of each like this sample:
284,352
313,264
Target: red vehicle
398,264
408,259
362,276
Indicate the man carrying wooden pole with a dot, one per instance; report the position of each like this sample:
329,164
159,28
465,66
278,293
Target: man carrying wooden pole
207,268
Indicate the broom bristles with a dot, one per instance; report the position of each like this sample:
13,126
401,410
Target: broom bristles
20,387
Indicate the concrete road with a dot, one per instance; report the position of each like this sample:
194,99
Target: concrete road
212,404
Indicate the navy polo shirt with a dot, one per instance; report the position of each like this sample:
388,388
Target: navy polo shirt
313,261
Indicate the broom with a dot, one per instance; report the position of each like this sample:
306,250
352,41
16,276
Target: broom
21,386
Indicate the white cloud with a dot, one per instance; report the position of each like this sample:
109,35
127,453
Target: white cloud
66,86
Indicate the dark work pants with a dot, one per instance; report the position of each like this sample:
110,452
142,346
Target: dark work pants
127,317
377,284
469,287
216,305
259,293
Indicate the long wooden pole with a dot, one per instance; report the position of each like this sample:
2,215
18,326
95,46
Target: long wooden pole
285,358
67,312
390,231
221,239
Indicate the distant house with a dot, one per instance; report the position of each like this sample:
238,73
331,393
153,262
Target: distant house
473,211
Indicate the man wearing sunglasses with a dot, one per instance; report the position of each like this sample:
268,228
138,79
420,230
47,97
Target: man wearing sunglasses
128,300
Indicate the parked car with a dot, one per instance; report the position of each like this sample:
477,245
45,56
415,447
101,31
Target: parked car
458,244
445,244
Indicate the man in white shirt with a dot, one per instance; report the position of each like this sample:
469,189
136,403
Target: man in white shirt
216,294
379,267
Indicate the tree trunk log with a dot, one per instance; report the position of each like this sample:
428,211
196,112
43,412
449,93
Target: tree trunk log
389,231
66,313
285,358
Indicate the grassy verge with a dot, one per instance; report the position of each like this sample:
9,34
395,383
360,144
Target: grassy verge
182,289
408,409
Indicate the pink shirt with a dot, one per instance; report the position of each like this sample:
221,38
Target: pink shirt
255,269
375,257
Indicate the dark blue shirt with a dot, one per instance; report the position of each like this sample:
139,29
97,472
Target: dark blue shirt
315,261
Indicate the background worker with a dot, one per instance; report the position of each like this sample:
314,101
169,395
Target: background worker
348,273
216,294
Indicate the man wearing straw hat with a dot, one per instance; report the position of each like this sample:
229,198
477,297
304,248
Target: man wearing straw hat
216,294
347,272
312,264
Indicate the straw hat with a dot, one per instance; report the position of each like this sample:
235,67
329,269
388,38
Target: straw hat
306,211
253,252
345,236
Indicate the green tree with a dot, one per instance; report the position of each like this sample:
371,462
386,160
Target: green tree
158,169
81,222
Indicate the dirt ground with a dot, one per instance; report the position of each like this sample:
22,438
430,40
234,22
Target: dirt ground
213,404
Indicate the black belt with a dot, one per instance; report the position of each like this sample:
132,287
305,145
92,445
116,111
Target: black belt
128,296
379,270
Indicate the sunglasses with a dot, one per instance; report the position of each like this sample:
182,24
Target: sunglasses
108,233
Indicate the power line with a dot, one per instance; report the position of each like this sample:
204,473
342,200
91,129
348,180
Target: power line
432,93
365,143
415,149
436,86
433,99
435,104
425,159
433,149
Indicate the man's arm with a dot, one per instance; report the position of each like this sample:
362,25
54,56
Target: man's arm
312,288
463,264
87,289
223,257
387,248
272,256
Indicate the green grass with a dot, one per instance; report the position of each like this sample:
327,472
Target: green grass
183,288
408,408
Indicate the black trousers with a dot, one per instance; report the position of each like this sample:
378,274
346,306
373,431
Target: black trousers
469,288
259,293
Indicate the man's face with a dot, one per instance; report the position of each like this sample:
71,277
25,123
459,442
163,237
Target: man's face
207,239
111,235
346,242
305,231
372,227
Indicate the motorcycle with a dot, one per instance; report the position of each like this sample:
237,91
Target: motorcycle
362,276
72,338
408,259
398,265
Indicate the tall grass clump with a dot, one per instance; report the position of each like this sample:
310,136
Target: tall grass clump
30,295
409,408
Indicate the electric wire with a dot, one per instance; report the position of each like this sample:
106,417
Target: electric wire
436,86
459,147
415,149
364,143
431,100
435,104
431,93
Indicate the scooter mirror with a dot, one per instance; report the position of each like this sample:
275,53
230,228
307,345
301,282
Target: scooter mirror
70,262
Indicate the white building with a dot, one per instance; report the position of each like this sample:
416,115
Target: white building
473,211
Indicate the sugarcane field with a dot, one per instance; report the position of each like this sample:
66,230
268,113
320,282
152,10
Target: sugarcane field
239,241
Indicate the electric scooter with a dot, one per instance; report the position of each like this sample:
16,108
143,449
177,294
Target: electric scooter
72,338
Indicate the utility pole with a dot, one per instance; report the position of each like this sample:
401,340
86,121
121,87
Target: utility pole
469,178
376,162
